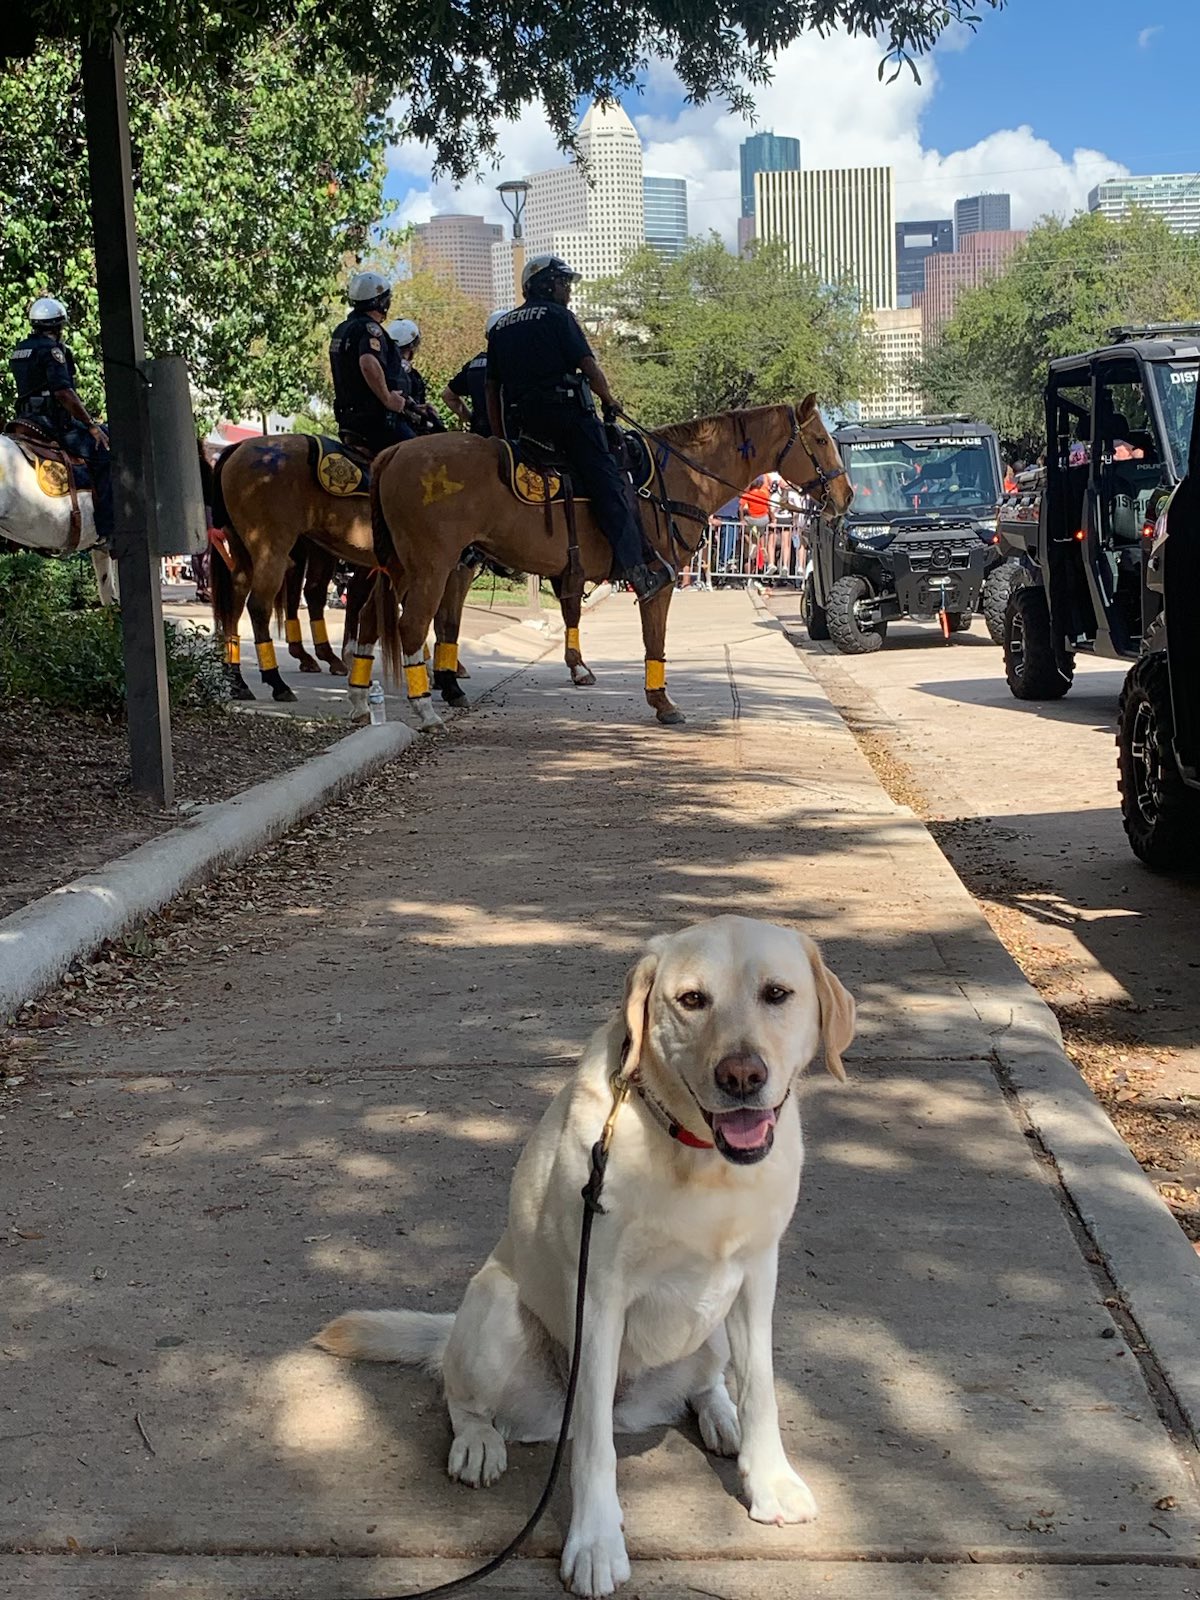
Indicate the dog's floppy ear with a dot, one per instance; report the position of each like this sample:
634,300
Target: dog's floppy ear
837,1011
637,1007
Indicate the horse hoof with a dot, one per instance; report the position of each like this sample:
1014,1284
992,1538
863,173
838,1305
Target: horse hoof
337,667
583,680
241,691
461,672
307,664
456,700
671,716
428,720
284,694
360,719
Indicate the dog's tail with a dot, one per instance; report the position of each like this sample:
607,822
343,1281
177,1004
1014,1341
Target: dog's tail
416,1338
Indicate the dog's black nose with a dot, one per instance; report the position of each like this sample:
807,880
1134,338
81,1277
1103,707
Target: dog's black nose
741,1075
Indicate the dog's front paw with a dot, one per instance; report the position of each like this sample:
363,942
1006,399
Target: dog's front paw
594,1564
478,1457
779,1497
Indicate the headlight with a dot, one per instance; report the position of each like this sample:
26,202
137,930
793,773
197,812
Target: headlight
875,535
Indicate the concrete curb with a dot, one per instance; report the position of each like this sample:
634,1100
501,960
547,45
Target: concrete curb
1150,1260
39,942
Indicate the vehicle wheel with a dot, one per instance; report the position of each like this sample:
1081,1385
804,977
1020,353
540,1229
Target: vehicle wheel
1032,666
852,637
1161,814
960,621
997,587
815,623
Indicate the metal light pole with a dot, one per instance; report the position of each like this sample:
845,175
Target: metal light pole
513,195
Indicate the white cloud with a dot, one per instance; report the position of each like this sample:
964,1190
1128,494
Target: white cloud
1147,34
827,92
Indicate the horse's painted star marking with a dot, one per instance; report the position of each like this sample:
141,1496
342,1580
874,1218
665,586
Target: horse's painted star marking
271,457
746,449
438,485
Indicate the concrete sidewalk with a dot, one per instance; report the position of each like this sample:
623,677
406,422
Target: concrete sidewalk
983,1327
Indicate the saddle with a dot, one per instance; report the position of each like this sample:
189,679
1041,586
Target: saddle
58,474
534,473
337,468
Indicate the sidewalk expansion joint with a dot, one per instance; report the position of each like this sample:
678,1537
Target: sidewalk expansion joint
1171,1413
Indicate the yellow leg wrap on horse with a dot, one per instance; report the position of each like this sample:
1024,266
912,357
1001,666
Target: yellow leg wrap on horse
360,671
233,653
320,632
416,681
572,638
656,674
291,630
445,658
266,656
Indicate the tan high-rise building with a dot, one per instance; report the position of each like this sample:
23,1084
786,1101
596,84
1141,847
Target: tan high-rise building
459,247
840,221
980,258
896,336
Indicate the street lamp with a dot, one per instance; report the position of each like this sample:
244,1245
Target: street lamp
513,194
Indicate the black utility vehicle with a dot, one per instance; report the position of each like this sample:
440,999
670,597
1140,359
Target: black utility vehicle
1158,729
918,540
1118,422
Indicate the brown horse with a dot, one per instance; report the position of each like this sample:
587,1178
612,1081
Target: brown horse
432,496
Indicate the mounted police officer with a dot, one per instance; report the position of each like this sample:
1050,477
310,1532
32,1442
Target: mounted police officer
541,366
369,406
406,337
44,370
466,393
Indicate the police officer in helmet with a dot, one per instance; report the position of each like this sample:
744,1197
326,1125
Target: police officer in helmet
365,365
541,365
44,371
466,393
406,338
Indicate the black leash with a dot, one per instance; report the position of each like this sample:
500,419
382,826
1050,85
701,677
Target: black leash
591,1207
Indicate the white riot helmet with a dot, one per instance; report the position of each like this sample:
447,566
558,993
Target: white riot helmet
47,311
369,291
540,273
492,321
403,332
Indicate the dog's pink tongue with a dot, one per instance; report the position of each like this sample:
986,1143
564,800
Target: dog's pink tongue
744,1130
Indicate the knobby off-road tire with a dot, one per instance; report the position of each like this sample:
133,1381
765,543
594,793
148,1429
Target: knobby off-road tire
996,589
851,638
960,621
815,623
1160,813
1033,668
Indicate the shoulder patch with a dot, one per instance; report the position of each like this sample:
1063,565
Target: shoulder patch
59,355
374,343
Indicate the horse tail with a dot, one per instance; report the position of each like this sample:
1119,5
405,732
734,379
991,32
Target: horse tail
216,494
381,534
387,622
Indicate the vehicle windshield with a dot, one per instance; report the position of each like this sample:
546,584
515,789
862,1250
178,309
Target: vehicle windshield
1175,384
903,477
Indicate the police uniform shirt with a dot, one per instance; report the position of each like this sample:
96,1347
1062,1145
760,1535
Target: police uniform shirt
533,348
469,383
356,337
42,367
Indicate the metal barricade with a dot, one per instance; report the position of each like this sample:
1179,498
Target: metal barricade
744,553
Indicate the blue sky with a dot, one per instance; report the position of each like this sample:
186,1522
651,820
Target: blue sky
1048,98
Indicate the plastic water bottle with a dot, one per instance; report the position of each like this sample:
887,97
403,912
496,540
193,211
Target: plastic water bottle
375,703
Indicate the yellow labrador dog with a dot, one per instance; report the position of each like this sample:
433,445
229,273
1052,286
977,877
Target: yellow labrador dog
703,1174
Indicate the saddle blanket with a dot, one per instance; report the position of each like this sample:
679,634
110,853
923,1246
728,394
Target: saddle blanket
336,470
55,470
529,482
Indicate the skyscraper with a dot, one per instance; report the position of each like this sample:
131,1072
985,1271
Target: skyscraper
840,222
982,257
896,336
915,241
982,213
1173,196
765,152
666,215
459,247
596,221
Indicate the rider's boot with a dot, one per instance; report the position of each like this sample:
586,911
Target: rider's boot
646,581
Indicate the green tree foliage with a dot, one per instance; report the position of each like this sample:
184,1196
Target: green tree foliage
1068,286
711,331
251,184
462,68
